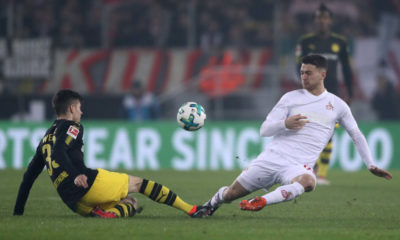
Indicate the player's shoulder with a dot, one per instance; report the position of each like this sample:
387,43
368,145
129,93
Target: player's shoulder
68,127
307,37
339,37
63,123
337,101
294,94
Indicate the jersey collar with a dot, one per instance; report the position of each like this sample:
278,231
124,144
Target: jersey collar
308,94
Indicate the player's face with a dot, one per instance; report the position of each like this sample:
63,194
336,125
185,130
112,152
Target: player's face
76,111
311,76
323,21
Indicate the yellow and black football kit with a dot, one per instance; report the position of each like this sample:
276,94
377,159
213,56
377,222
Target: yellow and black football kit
61,151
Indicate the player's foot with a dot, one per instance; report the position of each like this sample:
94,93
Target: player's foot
98,212
210,208
254,204
323,181
199,212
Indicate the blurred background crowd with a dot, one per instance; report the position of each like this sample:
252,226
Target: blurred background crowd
174,23
213,27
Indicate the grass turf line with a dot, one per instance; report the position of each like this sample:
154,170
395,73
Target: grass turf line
356,206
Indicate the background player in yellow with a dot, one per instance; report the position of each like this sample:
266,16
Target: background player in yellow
89,192
334,48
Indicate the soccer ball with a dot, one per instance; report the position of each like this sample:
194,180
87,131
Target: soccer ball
191,116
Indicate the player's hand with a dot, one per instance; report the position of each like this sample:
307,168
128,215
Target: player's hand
296,122
380,172
81,181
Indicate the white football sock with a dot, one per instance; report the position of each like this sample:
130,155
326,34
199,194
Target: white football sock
217,199
284,193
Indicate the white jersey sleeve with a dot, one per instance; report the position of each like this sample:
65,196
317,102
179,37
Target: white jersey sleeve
275,120
349,123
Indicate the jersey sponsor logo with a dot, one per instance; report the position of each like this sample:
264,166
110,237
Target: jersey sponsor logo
335,47
329,106
73,132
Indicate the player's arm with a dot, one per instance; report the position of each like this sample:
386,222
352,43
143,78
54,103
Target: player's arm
346,68
34,169
76,156
348,122
65,139
276,121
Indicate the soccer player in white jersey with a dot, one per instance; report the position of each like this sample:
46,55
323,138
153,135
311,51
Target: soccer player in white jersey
301,123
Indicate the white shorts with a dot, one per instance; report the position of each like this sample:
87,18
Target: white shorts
270,168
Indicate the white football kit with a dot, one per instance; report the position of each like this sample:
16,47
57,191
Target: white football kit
294,152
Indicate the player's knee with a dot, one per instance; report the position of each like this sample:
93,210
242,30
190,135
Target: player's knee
307,181
134,184
309,188
308,184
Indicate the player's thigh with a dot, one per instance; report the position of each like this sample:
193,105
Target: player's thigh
258,175
108,188
293,171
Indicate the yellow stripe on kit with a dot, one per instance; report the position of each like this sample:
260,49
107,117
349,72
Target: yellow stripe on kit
68,140
149,188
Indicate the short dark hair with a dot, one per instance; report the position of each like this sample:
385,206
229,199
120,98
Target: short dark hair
323,8
63,99
316,60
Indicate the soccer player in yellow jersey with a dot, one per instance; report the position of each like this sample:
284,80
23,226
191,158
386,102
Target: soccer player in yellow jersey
89,192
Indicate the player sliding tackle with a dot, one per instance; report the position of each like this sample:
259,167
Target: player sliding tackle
301,123
89,192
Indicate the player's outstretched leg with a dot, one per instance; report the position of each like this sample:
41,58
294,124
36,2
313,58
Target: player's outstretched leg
162,194
225,195
281,194
216,201
127,207
300,184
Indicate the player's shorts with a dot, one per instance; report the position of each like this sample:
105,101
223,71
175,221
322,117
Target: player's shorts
107,190
270,168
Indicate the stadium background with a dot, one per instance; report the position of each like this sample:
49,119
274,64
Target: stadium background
100,47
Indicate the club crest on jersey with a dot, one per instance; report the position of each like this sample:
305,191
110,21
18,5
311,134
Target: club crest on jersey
329,106
285,194
73,132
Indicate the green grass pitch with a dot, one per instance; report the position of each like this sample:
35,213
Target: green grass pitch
356,206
